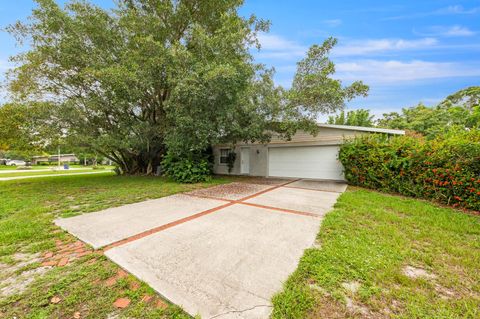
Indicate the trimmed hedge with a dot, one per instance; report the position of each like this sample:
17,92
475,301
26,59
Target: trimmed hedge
446,169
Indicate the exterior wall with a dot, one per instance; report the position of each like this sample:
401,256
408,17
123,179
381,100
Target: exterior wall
258,160
37,160
259,152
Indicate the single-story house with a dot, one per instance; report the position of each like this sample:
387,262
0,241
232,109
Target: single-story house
304,156
64,158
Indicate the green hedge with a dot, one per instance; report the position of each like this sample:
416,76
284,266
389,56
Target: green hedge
192,169
446,169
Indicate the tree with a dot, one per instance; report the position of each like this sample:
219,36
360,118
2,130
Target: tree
25,129
153,76
459,110
358,117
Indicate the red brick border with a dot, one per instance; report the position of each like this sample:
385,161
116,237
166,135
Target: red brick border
209,211
166,226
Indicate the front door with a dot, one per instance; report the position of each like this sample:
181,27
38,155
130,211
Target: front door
245,160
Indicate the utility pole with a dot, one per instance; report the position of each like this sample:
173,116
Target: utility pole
59,157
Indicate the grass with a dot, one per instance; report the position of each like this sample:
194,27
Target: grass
27,208
369,238
50,172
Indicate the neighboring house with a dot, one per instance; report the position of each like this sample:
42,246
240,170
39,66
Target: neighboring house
39,159
304,156
64,158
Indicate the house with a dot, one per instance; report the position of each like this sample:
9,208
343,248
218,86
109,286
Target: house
40,159
304,156
64,158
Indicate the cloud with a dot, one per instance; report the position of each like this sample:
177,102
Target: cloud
277,47
379,72
332,22
450,10
456,9
366,47
451,31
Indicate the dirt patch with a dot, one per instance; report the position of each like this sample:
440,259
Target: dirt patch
16,277
415,272
351,287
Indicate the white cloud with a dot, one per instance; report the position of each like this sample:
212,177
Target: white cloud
277,47
442,31
457,9
365,47
332,22
450,10
378,72
276,43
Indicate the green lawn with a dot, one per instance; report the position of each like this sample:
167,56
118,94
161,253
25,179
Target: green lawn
27,208
51,172
367,241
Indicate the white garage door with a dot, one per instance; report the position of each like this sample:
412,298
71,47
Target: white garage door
320,162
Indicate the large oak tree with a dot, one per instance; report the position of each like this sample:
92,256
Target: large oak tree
157,75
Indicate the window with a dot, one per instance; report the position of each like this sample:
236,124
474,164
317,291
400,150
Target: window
224,155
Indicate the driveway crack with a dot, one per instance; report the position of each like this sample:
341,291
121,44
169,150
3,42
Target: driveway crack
240,311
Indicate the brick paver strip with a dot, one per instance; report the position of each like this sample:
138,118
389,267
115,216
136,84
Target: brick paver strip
284,210
166,226
206,212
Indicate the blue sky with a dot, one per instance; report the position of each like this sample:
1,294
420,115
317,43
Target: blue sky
407,51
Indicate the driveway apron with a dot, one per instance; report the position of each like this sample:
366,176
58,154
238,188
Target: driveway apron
221,252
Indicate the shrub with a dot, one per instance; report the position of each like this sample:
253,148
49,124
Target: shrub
446,169
190,169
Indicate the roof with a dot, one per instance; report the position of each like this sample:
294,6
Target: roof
363,129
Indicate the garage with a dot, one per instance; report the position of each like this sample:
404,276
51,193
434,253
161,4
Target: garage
302,155
318,162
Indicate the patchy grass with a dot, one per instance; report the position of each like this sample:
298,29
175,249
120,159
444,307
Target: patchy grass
384,256
27,208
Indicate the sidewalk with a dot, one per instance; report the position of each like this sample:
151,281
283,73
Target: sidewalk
50,175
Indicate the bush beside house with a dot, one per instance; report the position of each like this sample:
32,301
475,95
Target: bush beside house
445,169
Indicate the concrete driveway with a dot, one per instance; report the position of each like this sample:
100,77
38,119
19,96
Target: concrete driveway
220,252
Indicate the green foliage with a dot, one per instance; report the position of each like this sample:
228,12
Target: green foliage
193,169
25,129
157,75
358,117
445,169
231,160
459,110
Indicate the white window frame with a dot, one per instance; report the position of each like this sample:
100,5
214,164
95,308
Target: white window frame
228,150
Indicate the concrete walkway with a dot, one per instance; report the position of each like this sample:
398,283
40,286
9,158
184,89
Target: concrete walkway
51,175
220,252
47,169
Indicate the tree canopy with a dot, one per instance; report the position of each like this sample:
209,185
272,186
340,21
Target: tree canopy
460,110
360,117
152,76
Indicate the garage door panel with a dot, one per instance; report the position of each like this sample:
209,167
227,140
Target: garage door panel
306,162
